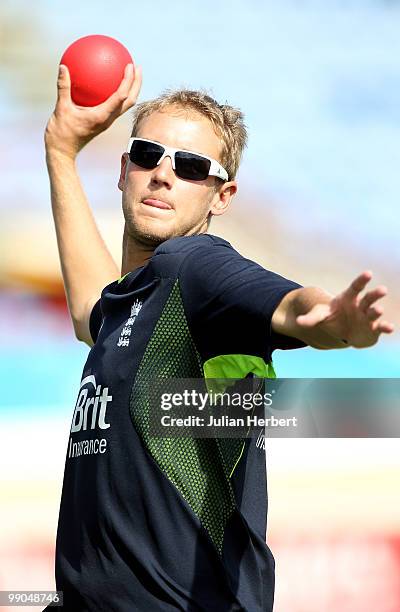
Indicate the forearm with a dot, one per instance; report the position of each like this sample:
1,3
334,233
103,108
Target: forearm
302,301
86,264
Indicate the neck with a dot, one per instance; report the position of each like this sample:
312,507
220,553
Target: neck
134,254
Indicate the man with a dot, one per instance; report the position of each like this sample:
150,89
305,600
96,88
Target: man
164,524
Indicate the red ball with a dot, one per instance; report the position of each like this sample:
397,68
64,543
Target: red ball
96,65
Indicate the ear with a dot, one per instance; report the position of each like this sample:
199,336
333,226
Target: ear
124,165
223,198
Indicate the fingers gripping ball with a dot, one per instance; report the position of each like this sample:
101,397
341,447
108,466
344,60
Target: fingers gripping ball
96,65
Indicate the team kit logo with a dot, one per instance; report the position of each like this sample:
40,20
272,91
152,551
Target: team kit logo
90,414
126,331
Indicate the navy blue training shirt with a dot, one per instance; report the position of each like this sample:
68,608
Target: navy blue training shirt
160,525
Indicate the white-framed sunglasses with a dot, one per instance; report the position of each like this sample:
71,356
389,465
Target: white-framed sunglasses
186,164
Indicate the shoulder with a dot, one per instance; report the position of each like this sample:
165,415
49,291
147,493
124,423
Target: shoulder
196,256
187,244
204,250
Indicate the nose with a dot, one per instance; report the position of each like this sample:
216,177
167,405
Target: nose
163,173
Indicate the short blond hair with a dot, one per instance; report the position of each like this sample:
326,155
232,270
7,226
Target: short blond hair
227,121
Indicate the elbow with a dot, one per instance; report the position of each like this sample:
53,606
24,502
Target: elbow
82,333
77,328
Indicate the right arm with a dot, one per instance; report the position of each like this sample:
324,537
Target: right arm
86,264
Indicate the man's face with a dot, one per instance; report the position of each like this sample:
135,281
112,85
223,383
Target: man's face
190,203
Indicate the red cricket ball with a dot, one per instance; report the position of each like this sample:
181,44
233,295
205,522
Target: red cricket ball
96,65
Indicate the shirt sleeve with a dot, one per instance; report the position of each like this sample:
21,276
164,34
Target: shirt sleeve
229,297
95,320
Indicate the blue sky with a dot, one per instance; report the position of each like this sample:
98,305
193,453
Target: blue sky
318,82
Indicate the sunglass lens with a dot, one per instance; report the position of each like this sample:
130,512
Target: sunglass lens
145,154
192,167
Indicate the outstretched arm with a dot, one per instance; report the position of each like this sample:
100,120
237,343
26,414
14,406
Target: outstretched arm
324,321
86,264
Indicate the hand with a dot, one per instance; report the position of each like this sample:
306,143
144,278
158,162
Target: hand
350,317
71,126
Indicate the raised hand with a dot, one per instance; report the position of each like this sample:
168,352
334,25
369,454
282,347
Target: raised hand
71,127
349,316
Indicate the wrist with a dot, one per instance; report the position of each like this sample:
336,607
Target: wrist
57,145
55,155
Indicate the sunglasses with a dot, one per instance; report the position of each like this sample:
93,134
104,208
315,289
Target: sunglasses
186,164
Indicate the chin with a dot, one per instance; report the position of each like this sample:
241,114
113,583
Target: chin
151,234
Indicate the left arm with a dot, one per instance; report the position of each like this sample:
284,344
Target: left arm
325,322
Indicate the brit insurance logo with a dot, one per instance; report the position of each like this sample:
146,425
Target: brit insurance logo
126,331
90,414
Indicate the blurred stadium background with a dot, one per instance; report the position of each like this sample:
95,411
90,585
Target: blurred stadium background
318,202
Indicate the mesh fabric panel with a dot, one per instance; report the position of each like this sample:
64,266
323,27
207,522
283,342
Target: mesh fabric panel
199,468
